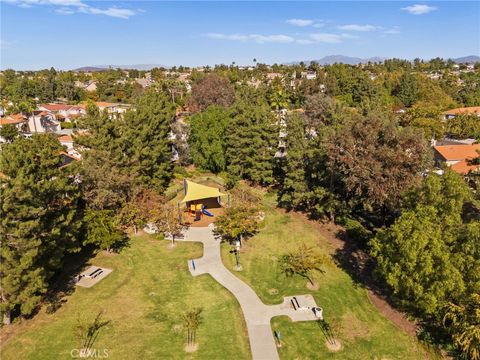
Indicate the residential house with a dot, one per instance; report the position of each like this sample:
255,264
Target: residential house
472,110
67,141
144,82
17,120
309,75
63,112
272,76
90,86
43,121
112,108
67,159
458,157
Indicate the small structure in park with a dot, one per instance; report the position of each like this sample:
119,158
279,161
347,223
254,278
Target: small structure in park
202,203
91,276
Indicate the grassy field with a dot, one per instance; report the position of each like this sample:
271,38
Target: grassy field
151,287
363,332
144,297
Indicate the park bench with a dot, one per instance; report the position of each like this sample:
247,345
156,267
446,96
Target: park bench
92,274
295,303
97,274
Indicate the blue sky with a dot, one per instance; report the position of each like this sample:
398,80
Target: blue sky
67,34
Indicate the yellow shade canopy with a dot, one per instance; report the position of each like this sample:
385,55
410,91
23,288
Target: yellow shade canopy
198,192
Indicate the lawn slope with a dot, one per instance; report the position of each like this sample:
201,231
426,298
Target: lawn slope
144,297
363,332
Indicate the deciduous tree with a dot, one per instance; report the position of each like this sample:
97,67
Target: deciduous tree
303,261
211,90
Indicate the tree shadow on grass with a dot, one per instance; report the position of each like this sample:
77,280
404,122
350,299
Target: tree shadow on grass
87,331
120,245
356,262
62,284
327,331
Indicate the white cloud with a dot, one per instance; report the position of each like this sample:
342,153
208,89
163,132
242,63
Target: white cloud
312,38
418,9
113,12
253,37
304,41
64,11
4,44
67,7
331,38
357,27
393,30
300,22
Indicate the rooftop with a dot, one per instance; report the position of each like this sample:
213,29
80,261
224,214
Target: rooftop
458,152
464,110
12,119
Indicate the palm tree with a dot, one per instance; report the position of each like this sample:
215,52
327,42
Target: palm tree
192,321
27,108
279,100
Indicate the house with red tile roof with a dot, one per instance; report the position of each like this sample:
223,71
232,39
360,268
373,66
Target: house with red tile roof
471,110
42,121
458,157
62,111
14,119
17,120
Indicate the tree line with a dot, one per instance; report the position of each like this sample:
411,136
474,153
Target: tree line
347,158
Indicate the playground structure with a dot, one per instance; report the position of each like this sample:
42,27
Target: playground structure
202,204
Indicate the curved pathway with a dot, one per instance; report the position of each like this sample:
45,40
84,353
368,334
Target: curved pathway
257,314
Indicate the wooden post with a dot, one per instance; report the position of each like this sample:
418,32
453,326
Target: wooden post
228,199
179,214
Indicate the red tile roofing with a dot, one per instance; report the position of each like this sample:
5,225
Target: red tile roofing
457,152
12,119
462,167
56,107
464,110
65,138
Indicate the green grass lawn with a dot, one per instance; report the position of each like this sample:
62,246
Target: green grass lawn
144,297
363,332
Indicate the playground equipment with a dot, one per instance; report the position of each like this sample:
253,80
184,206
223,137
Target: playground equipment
204,210
194,192
196,211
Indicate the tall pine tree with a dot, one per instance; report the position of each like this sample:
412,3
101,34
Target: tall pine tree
39,220
292,184
145,139
252,139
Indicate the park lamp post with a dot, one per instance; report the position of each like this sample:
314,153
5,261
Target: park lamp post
237,252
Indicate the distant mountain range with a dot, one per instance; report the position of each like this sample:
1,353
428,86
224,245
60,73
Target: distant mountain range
331,59
327,60
124,67
471,59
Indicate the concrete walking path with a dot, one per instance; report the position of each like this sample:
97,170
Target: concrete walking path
257,314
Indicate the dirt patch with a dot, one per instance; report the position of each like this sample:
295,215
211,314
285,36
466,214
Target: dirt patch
272,291
315,286
333,346
352,327
177,328
191,348
392,314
